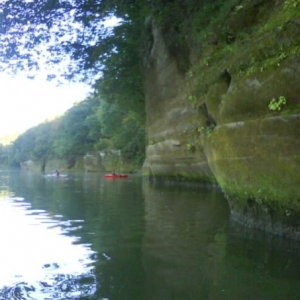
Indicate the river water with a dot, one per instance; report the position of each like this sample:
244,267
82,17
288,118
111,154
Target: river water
80,236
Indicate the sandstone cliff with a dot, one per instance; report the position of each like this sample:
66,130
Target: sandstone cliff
226,109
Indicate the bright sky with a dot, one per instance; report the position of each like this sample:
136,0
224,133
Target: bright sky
25,103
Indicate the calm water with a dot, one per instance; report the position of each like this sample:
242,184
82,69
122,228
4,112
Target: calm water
81,236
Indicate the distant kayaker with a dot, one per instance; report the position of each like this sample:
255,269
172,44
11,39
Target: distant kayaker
114,172
56,172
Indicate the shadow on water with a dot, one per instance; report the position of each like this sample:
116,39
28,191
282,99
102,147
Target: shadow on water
128,239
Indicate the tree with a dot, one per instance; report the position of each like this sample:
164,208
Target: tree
33,144
4,154
76,133
72,30
121,130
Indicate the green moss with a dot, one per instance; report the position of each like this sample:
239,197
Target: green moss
263,37
259,160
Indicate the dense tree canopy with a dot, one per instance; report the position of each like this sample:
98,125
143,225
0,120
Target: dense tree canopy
74,31
73,137
88,126
69,31
71,134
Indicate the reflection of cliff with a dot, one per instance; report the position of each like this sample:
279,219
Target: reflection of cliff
184,243
213,123
191,252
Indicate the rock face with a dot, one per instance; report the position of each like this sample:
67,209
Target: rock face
93,162
170,120
215,122
256,160
27,165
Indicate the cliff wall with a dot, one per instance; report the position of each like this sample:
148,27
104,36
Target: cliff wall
231,115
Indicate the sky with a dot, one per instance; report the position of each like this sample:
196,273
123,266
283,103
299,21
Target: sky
25,103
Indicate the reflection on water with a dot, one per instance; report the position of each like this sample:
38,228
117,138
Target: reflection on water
37,260
85,237
191,227
191,250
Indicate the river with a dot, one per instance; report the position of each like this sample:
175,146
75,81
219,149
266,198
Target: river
80,236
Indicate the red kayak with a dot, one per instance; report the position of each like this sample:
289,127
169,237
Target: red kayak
113,176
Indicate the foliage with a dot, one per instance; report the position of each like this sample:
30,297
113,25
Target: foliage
291,4
191,148
72,134
277,104
78,129
121,130
73,33
122,107
88,125
4,155
23,146
76,37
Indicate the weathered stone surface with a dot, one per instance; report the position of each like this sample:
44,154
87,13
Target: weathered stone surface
172,153
27,165
93,162
214,122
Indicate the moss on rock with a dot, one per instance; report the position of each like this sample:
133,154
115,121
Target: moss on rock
243,56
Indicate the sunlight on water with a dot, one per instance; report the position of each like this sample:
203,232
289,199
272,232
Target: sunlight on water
38,259
92,238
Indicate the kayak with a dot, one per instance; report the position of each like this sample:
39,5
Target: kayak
55,175
113,176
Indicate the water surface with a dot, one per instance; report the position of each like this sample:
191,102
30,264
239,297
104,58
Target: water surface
81,236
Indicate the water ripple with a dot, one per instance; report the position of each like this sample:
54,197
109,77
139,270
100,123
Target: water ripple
39,261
